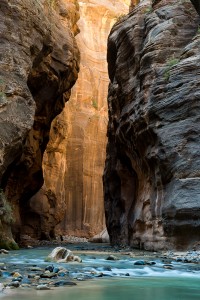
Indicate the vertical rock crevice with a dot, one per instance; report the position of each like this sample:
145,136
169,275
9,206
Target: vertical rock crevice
74,159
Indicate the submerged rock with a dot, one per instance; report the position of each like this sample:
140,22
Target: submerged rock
140,263
42,287
64,283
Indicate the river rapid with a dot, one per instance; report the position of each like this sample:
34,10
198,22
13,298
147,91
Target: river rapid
132,276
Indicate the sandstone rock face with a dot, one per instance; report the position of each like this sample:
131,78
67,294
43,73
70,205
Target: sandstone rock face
152,173
75,156
39,63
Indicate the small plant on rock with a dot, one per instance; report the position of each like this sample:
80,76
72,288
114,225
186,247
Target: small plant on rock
94,104
120,17
148,10
170,63
52,3
6,212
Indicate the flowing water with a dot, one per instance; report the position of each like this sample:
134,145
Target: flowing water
121,279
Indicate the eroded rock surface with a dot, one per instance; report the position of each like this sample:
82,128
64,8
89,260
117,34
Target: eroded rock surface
152,173
75,156
39,63
61,255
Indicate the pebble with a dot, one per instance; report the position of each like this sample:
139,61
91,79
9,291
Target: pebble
2,265
61,274
56,270
170,267
16,275
49,268
47,274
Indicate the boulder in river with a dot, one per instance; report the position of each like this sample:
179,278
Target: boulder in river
111,257
61,254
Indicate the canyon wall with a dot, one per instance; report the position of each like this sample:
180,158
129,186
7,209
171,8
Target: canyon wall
75,156
152,172
39,63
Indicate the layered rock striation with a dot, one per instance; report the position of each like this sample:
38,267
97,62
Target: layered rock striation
152,172
39,63
73,164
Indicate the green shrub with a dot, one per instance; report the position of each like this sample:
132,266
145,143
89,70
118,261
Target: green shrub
120,17
52,3
148,10
94,104
6,212
8,245
170,63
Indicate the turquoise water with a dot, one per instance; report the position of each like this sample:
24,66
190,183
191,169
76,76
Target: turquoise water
119,289
143,282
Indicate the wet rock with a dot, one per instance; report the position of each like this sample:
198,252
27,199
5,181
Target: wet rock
49,268
31,276
16,275
48,275
3,251
111,257
2,265
42,287
150,263
17,279
64,283
102,237
169,267
140,263
61,254
14,284
56,270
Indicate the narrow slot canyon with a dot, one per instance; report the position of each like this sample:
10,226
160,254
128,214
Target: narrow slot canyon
99,149
75,156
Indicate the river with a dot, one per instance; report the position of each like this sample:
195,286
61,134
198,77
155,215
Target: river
101,279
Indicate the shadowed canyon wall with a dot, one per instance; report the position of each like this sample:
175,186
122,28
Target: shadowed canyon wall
152,173
75,156
39,63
